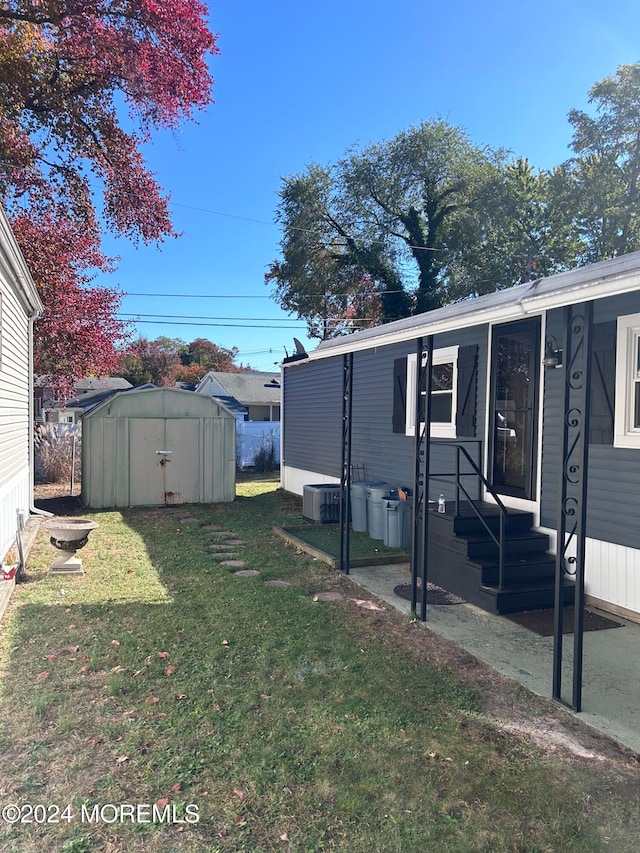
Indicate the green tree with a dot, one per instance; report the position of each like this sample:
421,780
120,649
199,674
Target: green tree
388,231
599,188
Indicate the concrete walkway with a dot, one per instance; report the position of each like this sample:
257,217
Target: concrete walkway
611,660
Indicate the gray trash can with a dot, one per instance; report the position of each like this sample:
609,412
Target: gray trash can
359,504
397,531
376,521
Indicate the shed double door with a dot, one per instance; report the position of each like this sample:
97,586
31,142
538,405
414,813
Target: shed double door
164,456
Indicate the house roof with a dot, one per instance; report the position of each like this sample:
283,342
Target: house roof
232,404
105,383
250,388
15,268
90,399
607,278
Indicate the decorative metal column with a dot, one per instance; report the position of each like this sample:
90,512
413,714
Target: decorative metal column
572,500
345,474
422,446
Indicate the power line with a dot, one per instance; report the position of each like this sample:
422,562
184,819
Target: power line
221,325
245,296
139,317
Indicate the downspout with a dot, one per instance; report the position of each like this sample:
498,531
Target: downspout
527,292
33,510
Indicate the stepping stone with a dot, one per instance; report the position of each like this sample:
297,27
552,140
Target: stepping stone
235,542
219,546
236,564
246,573
190,519
277,583
366,605
328,596
218,534
211,527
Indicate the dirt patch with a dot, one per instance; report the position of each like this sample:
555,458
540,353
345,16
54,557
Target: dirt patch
57,499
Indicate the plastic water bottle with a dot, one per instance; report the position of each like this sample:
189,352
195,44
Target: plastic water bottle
442,506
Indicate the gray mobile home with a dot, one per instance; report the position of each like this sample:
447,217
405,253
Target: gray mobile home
500,365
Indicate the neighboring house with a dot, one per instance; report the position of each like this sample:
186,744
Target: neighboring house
19,306
254,399
88,393
498,391
256,392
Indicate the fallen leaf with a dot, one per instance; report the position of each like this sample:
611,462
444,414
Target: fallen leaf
72,660
238,793
72,627
240,819
139,672
31,640
180,696
163,654
283,837
225,642
177,786
153,700
43,674
162,802
51,658
170,669
122,759
73,649
84,669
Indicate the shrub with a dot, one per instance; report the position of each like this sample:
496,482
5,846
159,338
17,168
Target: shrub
54,451
265,459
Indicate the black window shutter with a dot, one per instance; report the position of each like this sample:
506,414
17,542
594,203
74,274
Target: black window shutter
399,394
603,382
467,382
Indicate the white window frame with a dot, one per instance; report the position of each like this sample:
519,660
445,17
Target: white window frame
627,377
440,429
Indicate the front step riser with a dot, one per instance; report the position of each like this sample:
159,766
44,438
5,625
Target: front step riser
513,547
518,576
474,527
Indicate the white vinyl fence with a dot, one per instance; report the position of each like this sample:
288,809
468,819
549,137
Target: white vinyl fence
253,436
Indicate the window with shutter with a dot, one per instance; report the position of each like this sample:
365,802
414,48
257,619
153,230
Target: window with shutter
627,382
444,393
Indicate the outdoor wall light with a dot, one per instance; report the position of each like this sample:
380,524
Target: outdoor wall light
552,354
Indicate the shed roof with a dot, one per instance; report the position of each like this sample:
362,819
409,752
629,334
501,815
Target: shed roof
251,387
159,403
606,278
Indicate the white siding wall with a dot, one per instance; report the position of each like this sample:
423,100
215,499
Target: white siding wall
612,574
14,412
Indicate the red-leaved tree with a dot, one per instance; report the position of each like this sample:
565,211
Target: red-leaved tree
69,72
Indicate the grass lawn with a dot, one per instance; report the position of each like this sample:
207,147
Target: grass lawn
281,723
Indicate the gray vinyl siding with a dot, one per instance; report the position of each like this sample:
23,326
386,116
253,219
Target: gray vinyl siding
613,499
313,414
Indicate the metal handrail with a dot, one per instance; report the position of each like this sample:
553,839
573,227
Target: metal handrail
504,512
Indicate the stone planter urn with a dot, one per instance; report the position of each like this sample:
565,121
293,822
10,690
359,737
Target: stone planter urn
68,535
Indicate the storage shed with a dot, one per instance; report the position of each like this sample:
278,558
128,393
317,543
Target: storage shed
158,446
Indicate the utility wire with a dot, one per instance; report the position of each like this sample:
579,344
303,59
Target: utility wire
139,317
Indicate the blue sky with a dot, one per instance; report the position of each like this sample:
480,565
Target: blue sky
298,83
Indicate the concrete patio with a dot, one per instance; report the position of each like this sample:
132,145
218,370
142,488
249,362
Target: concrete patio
611,661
